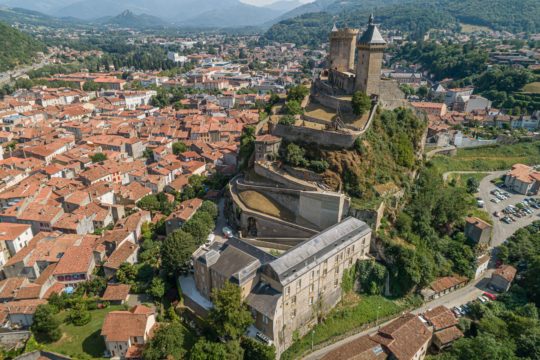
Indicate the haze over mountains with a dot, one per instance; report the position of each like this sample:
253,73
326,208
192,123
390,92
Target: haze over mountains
214,13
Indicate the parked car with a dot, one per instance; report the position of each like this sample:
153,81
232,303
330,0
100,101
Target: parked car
490,296
227,232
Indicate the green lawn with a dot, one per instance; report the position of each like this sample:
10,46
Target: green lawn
344,319
533,87
490,158
81,342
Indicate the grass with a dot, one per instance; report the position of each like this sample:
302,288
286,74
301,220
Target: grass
461,179
346,318
533,88
265,205
490,158
83,341
469,28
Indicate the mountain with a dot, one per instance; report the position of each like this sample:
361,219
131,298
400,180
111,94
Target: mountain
17,48
413,16
239,15
284,5
48,7
313,7
129,19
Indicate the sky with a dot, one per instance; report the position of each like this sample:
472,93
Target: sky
266,2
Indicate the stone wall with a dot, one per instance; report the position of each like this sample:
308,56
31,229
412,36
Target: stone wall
329,139
269,173
372,217
13,339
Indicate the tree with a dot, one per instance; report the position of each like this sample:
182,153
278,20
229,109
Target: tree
295,155
179,147
293,107
127,273
361,103
422,91
176,252
91,86
167,343
157,288
287,120
229,316
297,93
472,185
79,315
98,157
46,328
255,350
207,350
199,227
209,207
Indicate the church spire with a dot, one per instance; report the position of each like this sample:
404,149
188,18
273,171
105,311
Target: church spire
371,19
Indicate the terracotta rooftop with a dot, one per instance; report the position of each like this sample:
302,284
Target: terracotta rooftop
507,272
441,318
116,292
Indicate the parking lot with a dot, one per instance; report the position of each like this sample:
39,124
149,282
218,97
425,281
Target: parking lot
502,230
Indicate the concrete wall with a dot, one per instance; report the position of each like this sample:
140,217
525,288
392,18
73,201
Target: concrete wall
11,339
322,209
289,182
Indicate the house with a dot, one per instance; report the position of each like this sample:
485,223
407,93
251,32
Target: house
523,179
482,263
477,230
443,286
406,338
116,294
126,332
21,313
185,212
502,278
15,237
444,326
75,266
266,147
126,253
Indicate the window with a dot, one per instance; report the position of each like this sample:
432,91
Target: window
312,288
311,301
265,319
324,272
293,299
312,273
299,284
337,270
288,290
293,313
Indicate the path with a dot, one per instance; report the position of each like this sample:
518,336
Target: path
448,173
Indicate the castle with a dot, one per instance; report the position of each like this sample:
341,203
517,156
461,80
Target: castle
350,70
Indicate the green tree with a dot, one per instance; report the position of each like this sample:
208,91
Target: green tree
361,103
295,155
167,343
157,288
179,147
229,316
293,107
287,120
46,328
127,273
422,91
297,93
209,207
79,315
98,157
207,350
255,350
91,86
472,185
176,252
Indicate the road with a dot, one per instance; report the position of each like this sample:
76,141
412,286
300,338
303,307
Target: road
221,221
459,297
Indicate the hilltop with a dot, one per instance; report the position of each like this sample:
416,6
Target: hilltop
416,17
17,48
129,19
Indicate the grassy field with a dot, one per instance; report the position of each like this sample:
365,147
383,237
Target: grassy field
533,87
348,316
490,158
266,205
469,28
81,342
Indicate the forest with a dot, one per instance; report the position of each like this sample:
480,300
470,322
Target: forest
17,48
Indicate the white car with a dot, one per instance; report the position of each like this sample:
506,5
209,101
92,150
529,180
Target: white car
496,201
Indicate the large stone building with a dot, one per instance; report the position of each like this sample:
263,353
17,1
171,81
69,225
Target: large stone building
286,294
350,70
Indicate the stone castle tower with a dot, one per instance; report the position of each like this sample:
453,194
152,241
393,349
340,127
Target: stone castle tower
342,49
371,46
